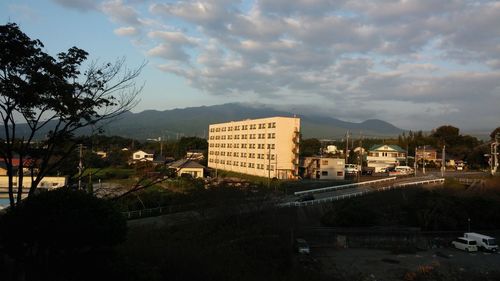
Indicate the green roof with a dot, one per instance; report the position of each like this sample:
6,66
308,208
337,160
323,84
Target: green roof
392,146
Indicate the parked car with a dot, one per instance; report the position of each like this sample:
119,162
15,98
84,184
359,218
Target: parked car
302,247
465,244
367,171
351,169
402,170
484,242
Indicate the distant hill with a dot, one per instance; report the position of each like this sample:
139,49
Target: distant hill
194,121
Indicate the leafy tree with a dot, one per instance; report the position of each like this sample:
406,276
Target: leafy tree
189,143
54,98
494,133
47,233
309,147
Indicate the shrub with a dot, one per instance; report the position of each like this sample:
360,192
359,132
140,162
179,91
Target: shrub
50,232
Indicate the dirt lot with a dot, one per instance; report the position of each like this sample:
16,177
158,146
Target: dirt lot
370,264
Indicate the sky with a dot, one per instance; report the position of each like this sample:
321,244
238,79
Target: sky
417,64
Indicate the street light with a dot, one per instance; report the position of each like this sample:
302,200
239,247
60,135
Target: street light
468,221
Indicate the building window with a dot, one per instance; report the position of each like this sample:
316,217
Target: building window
340,173
324,162
324,173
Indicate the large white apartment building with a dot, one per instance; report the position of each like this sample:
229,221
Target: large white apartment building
266,147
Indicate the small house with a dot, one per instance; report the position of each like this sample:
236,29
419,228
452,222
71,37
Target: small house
186,166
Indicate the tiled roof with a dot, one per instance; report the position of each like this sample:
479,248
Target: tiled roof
185,163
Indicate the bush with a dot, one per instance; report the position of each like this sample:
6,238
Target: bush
54,231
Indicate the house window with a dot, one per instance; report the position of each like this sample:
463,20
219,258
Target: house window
340,173
324,173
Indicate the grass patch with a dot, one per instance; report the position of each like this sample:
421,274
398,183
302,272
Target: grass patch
109,173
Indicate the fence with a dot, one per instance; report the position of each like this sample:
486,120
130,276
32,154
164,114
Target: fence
344,186
150,212
359,193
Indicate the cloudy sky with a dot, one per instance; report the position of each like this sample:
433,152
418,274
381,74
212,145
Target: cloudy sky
415,63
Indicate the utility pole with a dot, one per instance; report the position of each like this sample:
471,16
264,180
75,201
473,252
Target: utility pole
443,161
360,156
423,158
269,166
415,166
494,155
347,147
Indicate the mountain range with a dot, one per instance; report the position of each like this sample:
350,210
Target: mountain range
194,121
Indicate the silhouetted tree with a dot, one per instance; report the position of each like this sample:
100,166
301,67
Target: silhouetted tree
54,99
494,133
309,147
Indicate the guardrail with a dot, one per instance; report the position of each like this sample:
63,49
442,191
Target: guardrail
343,186
359,193
164,210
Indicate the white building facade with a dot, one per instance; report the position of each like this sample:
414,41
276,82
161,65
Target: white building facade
323,168
385,156
266,147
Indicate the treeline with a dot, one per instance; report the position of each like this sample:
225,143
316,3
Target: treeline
458,146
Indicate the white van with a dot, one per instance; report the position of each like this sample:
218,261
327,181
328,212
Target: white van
483,242
404,170
465,244
351,169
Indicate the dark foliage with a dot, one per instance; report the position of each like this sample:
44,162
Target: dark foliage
47,233
440,209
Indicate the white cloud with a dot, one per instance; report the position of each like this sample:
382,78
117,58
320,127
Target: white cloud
443,56
126,31
120,13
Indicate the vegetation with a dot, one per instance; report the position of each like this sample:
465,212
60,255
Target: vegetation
253,246
56,235
458,147
55,99
447,208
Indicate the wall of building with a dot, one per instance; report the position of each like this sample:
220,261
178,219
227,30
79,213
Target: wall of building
384,157
195,172
46,182
323,168
262,147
